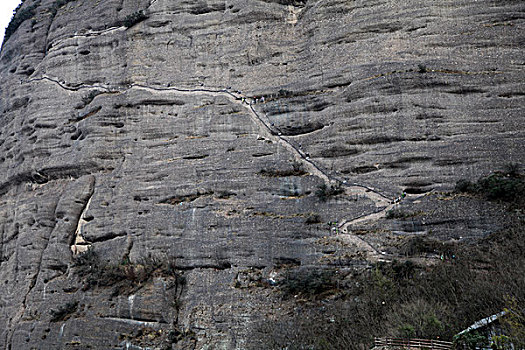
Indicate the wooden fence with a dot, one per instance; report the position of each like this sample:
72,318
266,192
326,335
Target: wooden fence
428,344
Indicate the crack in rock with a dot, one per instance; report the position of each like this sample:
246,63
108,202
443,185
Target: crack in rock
79,244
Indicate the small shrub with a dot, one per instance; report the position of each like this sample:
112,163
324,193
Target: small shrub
297,170
64,312
313,219
324,192
470,340
86,263
403,270
176,336
134,18
500,186
417,319
308,282
501,342
19,17
512,169
508,185
514,322
422,68
407,331
284,92
89,257
421,246
126,276
388,299
465,186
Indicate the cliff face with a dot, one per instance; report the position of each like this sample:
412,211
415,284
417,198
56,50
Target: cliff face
193,138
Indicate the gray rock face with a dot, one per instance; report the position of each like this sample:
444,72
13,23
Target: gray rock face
201,133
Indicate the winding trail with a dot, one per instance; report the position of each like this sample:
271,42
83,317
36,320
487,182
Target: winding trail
382,202
54,44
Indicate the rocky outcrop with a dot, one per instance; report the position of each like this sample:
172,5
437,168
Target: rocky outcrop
202,133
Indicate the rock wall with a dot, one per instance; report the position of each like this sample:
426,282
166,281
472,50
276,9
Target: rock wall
202,132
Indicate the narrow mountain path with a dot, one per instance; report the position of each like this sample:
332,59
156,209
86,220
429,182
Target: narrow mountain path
54,45
382,202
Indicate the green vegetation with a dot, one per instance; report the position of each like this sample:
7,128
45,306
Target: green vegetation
507,185
160,339
501,342
28,12
151,338
470,340
420,246
514,324
20,16
284,93
325,192
306,282
126,277
344,309
134,18
417,319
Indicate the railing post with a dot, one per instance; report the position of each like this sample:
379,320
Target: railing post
416,343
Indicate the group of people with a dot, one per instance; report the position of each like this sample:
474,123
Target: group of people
252,100
248,100
398,199
334,227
